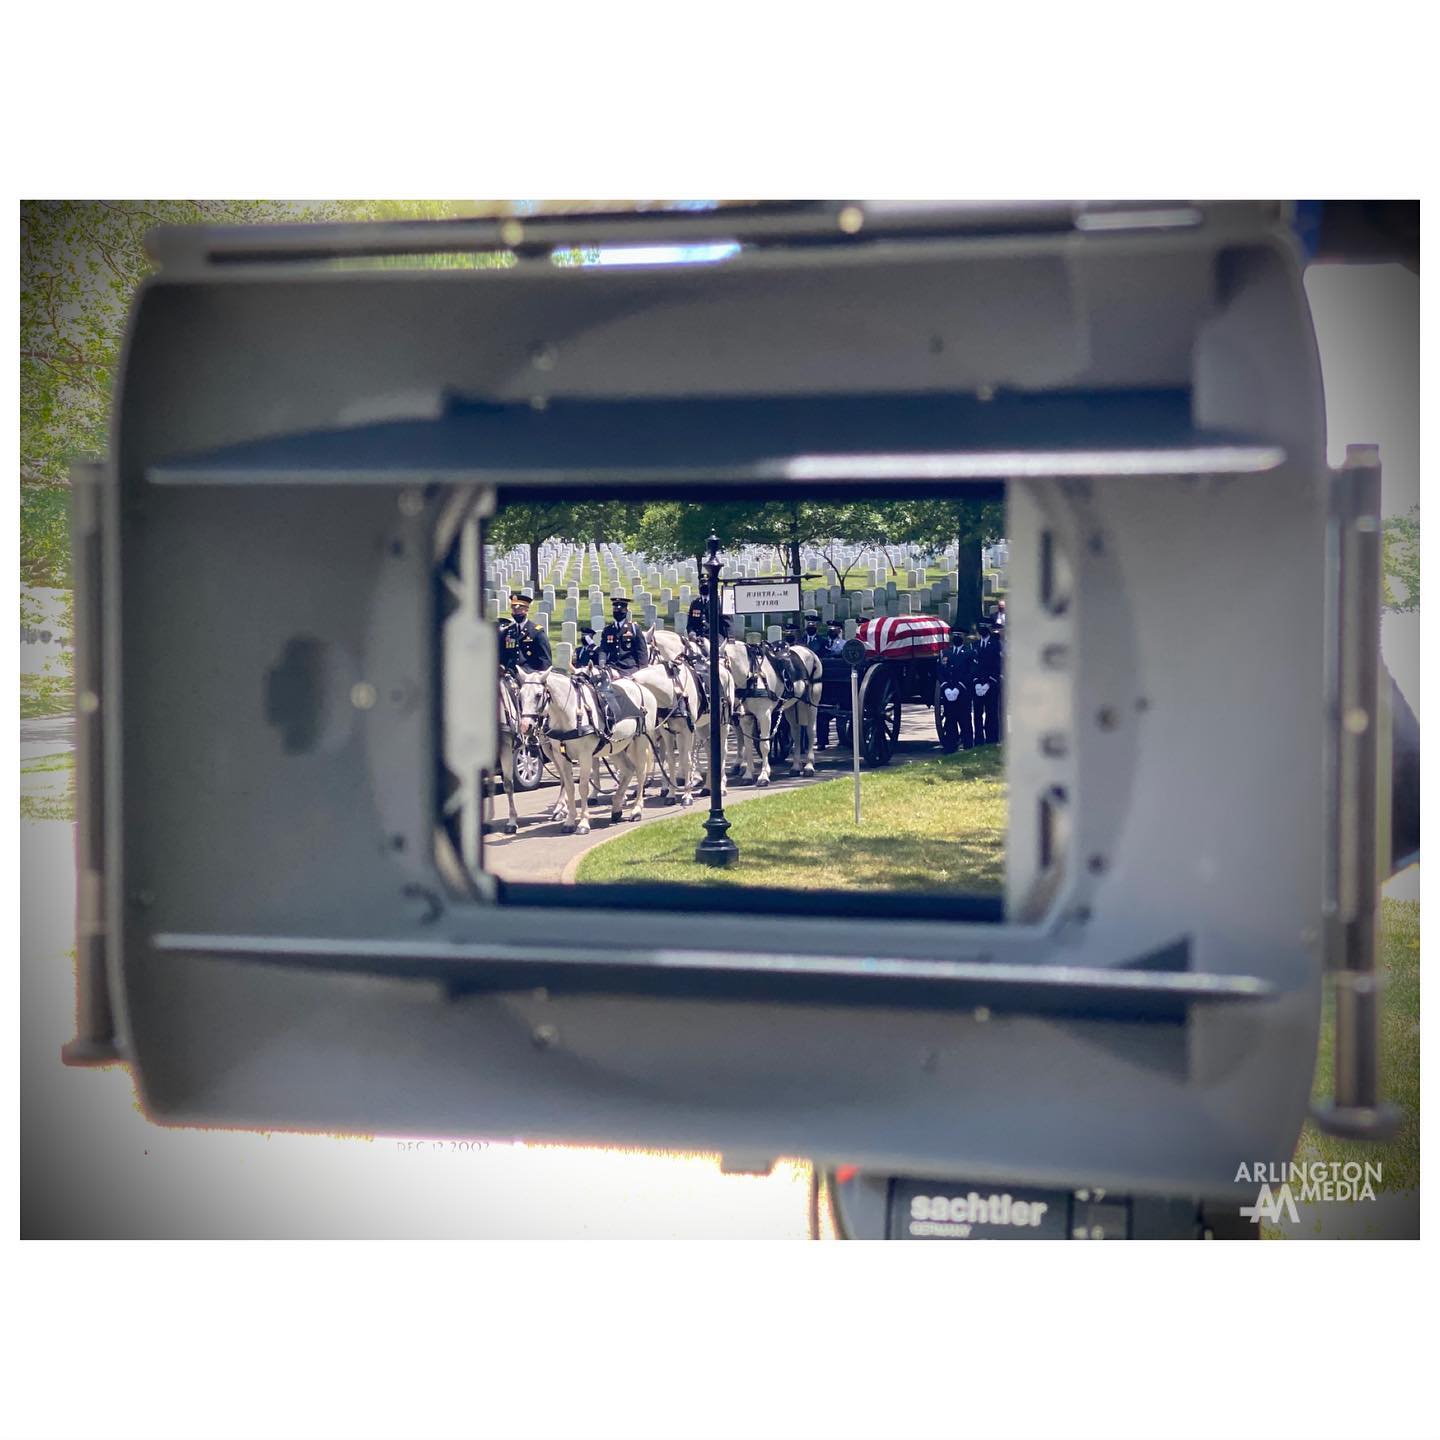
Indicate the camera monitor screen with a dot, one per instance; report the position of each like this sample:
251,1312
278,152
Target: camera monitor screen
861,693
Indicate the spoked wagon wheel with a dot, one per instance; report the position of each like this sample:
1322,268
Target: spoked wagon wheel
881,719
529,764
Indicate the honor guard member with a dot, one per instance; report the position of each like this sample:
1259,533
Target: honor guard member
622,642
522,642
829,645
955,686
812,639
697,618
588,651
990,660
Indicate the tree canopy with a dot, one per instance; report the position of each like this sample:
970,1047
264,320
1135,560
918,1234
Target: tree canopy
80,263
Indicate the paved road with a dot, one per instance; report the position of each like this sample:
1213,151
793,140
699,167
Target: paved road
49,735
541,851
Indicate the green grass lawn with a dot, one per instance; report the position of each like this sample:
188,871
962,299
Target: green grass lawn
931,825
1400,1051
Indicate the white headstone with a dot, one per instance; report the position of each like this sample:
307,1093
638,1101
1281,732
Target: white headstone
567,631
563,652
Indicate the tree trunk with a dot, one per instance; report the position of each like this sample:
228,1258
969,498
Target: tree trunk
535,568
968,562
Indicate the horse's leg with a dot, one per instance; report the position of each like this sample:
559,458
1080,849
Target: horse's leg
639,756
743,722
567,798
669,778
558,760
580,813
764,723
620,763
722,724
807,732
685,763
507,775
759,756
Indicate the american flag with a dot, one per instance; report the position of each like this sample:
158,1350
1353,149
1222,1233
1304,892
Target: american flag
904,637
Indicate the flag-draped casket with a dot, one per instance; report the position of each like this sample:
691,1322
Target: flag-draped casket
904,637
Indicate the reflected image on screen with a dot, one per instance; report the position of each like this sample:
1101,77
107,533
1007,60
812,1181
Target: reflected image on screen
860,710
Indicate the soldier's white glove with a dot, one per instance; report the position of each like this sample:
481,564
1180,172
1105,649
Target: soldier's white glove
952,695
982,689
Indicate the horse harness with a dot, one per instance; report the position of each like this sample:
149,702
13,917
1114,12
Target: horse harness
609,705
789,670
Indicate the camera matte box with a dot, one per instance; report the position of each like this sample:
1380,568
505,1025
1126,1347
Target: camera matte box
271,892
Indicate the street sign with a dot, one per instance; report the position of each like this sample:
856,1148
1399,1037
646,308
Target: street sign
853,652
760,597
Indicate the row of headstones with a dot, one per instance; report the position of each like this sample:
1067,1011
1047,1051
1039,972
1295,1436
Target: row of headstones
661,593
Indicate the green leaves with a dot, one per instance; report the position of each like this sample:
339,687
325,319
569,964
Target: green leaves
1401,537
80,263
45,535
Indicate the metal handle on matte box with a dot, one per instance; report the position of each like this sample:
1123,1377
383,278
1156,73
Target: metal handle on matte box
1356,1108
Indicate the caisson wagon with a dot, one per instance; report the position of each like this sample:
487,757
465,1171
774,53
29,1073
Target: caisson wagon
902,656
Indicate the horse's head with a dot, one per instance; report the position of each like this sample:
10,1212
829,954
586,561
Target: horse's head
534,697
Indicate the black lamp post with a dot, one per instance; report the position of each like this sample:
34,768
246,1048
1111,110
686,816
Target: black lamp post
717,848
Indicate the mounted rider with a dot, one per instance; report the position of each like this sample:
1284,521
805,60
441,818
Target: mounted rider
523,644
622,642
588,652
697,618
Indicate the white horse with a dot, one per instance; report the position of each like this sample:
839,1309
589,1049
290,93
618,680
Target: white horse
677,704
574,718
515,725
760,693
672,650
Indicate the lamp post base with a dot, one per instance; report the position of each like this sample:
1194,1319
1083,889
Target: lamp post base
717,848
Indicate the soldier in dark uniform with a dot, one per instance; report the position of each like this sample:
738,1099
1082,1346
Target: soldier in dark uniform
589,650
956,674
990,662
827,645
812,639
522,642
622,642
697,618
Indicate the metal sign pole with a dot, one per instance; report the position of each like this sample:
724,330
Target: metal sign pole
717,848
853,653
855,733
